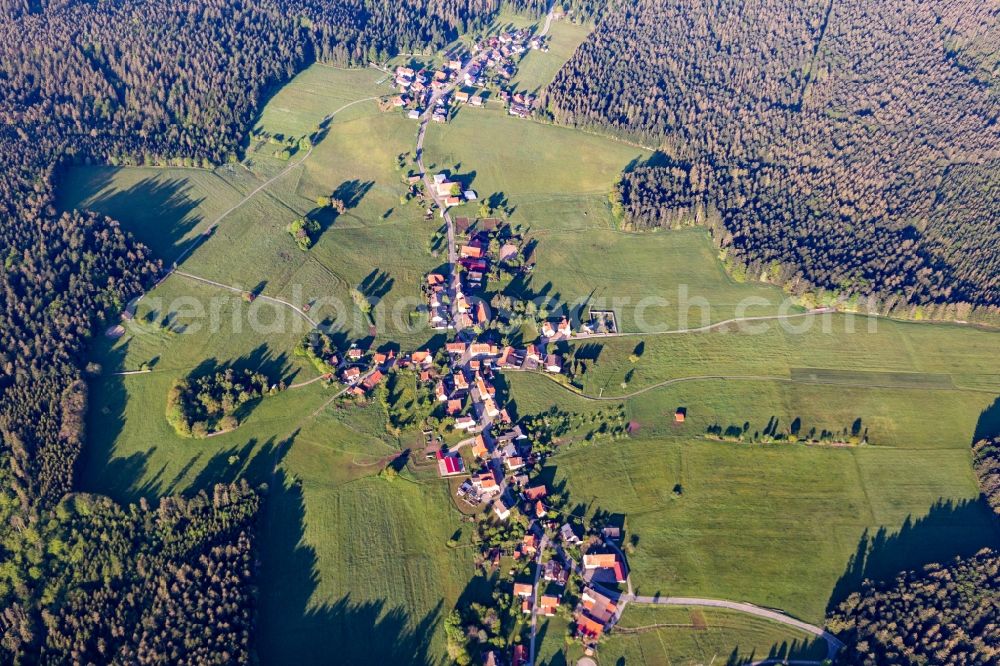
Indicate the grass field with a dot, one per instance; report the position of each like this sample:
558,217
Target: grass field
345,550
829,345
537,69
654,281
553,177
165,208
680,636
778,525
299,107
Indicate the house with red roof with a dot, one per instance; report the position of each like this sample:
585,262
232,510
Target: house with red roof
548,604
449,463
471,251
535,493
610,561
372,380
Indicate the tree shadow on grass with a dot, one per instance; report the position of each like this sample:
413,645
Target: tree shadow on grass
988,425
127,477
949,530
781,653
293,629
159,211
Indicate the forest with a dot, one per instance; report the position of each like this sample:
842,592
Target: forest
132,82
850,147
946,614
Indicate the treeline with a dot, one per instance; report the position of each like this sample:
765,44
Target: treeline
942,615
132,585
986,462
849,146
61,276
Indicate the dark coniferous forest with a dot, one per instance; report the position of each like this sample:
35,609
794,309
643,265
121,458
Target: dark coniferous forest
852,146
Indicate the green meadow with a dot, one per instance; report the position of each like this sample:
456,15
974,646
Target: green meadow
691,636
358,566
555,182
777,525
537,68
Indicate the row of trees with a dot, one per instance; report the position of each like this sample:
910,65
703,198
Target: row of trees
847,146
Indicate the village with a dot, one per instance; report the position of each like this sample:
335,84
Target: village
549,562
468,78
557,565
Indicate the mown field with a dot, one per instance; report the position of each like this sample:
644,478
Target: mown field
345,551
680,636
835,349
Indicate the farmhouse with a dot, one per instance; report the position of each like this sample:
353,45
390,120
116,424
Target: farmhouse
449,464
609,561
588,627
554,572
486,482
479,448
535,493
567,535
508,251
472,251
529,544
598,606
540,510
422,358
548,604
350,375
372,380
553,363
514,463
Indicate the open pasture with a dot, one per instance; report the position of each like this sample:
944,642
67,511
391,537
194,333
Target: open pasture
778,526
680,636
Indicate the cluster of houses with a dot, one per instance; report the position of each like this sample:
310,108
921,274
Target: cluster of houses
361,371
498,52
451,192
492,59
597,608
518,104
